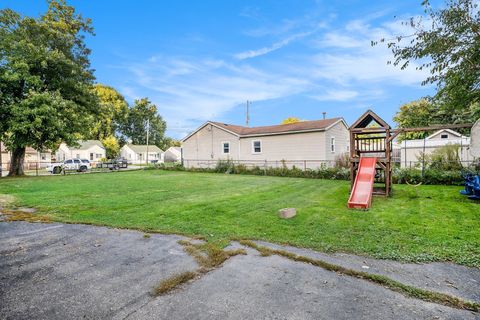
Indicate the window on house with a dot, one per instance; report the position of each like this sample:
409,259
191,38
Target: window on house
91,156
225,147
444,136
98,155
43,156
78,156
257,146
332,144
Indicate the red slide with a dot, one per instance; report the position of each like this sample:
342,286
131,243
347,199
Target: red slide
361,196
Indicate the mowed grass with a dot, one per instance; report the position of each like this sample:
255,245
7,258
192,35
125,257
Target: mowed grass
425,223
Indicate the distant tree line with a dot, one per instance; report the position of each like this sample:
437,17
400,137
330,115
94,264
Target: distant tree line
48,93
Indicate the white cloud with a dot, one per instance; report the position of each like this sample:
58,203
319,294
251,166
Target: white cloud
339,66
336,95
208,90
277,45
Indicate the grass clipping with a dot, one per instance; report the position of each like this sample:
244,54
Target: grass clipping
208,256
407,290
172,282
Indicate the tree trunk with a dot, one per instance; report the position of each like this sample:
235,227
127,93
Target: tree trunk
16,163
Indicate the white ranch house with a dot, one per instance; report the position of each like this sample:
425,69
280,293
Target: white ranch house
173,154
305,144
137,154
92,150
410,151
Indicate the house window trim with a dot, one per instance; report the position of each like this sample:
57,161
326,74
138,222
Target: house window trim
253,146
333,147
223,147
444,136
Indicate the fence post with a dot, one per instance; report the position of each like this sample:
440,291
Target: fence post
36,168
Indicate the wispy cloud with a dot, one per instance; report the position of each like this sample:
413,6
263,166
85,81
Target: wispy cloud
337,65
277,45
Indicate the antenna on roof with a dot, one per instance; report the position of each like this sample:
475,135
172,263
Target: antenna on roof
247,118
324,115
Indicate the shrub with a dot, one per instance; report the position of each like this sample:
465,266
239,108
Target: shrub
400,175
444,158
342,160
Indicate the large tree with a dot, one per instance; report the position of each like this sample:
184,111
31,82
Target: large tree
46,81
447,43
112,112
414,114
142,115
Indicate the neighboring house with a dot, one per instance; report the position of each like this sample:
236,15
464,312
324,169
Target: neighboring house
33,158
304,144
173,154
409,152
137,154
92,150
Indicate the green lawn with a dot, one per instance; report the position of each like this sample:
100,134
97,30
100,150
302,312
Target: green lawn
426,223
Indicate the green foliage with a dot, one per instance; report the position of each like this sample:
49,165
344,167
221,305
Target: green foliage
45,80
112,112
135,126
448,45
444,158
112,147
414,114
168,142
430,176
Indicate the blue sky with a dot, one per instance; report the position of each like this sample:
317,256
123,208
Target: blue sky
201,60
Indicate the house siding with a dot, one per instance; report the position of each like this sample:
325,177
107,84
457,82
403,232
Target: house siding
206,145
342,141
304,149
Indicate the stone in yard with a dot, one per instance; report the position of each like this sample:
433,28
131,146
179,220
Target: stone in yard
287,213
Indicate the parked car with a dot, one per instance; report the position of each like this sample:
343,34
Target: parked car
69,164
87,163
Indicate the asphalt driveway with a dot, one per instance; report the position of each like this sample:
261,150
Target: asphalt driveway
57,271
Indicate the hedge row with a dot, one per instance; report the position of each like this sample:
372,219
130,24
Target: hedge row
400,175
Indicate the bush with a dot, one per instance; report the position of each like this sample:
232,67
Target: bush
444,158
400,175
343,160
430,176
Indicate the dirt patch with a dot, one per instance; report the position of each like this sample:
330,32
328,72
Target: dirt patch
21,215
6,199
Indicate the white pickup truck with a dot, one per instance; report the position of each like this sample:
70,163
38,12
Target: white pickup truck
80,165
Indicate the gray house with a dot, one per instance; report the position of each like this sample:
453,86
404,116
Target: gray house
306,144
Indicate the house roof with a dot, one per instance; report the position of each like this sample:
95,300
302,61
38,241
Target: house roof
141,148
302,126
455,133
175,149
87,144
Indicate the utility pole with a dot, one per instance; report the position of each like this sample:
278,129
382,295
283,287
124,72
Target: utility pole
248,114
148,133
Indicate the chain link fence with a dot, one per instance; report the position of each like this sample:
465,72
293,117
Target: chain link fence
46,168
264,164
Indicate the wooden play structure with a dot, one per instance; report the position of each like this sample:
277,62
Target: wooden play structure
370,137
371,141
